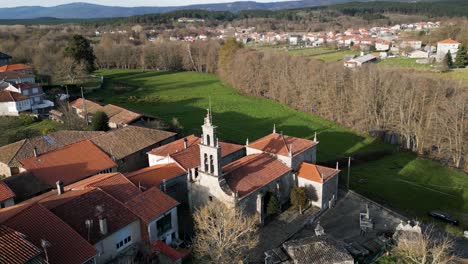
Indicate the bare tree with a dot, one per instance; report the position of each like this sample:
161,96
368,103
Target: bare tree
223,235
424,248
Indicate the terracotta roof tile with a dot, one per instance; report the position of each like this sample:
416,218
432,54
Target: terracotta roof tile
25,185
91,107
66,245
16,249
14,75
151,204
123,142
190,157
252,172
15,67
316,173
119,115
115,184
448,41
11,154
5,192
69,164
91,205
168,251
154,175
9,96
280,144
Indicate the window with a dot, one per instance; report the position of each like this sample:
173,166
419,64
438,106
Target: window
208,140
37,99
196,172
164,224
25,92
211,164
206,162
2,205
35,90
210,198
123,243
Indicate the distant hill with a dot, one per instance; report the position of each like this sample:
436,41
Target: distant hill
89,11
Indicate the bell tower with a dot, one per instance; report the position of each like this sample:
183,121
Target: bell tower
210,151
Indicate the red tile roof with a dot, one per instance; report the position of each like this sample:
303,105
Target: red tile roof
119,115
25,85
280,144
15,67
5,192
154,175
16,249
91,205
66,245
316,173
168,251
252,172
151,204
189,157
115,184
448,41
91,107
69,164
9,96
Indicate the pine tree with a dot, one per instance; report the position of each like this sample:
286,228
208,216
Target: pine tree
462,59
273,205
449,59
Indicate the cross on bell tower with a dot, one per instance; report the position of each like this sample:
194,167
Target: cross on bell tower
210,151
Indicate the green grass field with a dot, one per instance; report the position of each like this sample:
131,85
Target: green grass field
16,128
401,180
406,63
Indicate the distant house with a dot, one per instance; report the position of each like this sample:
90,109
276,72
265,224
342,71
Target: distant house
359,61
294,39
321,184
12,154
12,103
118,116
6,195
128,146
34,92
4,59
382,45
445,46
69,164
418,54
411,44
17,77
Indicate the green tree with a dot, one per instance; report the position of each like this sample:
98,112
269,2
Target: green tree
449,59
299,198
462,59
79,48
100,122
273,205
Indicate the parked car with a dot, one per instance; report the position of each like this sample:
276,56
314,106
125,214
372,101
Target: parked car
444,217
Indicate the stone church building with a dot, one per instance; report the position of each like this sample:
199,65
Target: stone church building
246,176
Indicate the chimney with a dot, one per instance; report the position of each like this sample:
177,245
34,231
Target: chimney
35,152
103,225
185,143
59,187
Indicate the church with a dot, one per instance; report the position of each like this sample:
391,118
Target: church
247,176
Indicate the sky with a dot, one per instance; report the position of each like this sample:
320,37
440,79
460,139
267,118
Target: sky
9,3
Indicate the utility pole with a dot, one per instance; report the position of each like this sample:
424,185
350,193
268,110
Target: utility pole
84,106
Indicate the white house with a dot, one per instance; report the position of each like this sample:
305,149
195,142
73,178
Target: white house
382,45
444,46
412,44
359,61
11,103
418,54
321,184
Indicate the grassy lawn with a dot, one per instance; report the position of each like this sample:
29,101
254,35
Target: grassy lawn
414,186
17,128
406,63
310,51
185,96
401,180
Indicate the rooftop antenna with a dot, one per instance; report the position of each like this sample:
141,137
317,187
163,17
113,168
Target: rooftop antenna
45,244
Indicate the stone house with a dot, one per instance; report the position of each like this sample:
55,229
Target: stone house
321,184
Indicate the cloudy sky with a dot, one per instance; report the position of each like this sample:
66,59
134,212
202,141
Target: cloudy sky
9,3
